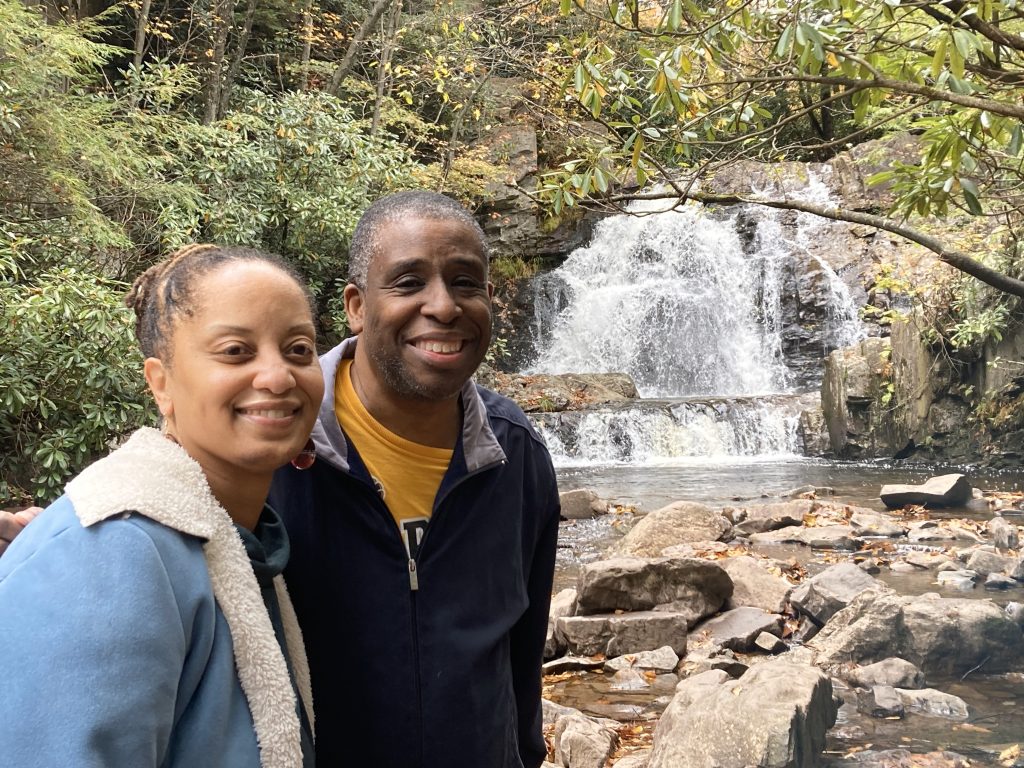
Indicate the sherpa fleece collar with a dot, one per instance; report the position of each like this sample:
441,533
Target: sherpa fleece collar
156,478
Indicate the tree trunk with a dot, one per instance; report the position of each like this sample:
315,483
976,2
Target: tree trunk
372,17
140,33
388,49
307,45
220,19
237,58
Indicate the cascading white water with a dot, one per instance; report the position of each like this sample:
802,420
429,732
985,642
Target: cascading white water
669,298
677,300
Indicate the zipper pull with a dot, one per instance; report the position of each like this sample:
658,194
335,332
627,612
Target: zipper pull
414,579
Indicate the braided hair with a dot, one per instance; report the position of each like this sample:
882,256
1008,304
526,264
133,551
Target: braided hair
165,291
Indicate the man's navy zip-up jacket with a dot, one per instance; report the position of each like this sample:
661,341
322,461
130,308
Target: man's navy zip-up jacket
432,663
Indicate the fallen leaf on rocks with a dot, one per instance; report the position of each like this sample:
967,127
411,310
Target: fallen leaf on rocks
971,728
1009,755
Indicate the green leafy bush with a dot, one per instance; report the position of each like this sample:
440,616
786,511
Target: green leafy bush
70,374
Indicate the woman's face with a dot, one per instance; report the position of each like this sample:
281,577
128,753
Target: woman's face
243,385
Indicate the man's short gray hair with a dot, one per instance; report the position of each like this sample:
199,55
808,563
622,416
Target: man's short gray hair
411,204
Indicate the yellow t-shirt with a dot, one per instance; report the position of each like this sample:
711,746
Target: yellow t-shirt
407,474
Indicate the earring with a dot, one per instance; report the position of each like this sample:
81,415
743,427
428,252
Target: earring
306,456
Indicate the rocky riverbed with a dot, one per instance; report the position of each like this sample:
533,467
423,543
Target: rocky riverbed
800,631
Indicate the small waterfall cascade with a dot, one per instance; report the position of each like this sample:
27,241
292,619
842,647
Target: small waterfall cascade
667,297
696,307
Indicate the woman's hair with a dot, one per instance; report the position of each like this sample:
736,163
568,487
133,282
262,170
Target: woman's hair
165,291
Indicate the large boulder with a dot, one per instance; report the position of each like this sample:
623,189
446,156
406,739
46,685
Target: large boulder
775,715
581,742
953,490
615,634
941,636
893,672
697,588
739,628
822,596
562,604
581,504
759,518
677,523
755,585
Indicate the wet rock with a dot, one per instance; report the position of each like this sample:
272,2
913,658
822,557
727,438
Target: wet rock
628,680
562,604
999,581
868,523
581,742
1016,571
695,587
677,523
939,635
893,672
571,664
881,701
754,585
868,565
903,758
808,491
960,579
639,759
722,659
1004,535
615,634
552,711
738,629
902,566
769,517
821,596
819,537
929,701
1015,612
805,631
769,643
927,560
951,490
984,562
922,531
582,504
775,715
662,659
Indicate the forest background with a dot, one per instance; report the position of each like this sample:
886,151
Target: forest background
130,128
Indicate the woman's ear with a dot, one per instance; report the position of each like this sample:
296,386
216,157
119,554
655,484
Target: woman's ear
156,378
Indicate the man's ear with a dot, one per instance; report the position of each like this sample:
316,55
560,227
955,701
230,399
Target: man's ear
354,307
156,378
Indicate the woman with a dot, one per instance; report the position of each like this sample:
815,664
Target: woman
142,619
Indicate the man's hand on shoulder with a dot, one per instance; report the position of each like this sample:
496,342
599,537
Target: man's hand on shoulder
13,523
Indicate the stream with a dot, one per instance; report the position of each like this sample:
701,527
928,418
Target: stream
701,311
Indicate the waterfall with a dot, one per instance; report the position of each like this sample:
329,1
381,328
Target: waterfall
669,298
727,314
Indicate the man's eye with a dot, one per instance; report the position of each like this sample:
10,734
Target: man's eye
408,283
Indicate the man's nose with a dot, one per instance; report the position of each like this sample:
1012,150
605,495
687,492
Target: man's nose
440,302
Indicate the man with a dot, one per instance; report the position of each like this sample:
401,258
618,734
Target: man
423,537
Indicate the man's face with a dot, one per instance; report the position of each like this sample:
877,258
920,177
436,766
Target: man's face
424,316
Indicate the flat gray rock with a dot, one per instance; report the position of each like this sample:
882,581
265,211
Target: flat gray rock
953,490
819,537
754,585
739,628
929,701
660,660
614,634
758,518
868,523
822,596
893,672
881,701
581,742
582,504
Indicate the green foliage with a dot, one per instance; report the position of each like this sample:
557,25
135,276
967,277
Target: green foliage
70,375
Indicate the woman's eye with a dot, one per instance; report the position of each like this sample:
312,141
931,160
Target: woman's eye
235,350
302,349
